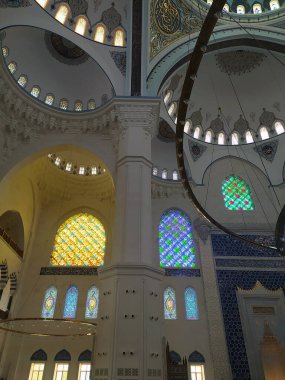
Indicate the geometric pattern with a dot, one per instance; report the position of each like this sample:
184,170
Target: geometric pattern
169,304
92,303
176,245
191,304
49,302
70,305
237,194
80,241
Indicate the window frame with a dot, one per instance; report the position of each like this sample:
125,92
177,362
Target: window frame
79,18
86,373
116,31
104,34
57,364
40,372
202,365
63,5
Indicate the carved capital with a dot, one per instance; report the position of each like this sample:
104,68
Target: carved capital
203,228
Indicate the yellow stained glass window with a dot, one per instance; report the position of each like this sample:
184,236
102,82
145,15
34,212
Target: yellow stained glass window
80,241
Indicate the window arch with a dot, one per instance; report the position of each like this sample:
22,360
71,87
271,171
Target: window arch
49,302
154,171
176,245
274,4
208,137
264,133
81,25
49,99
226,8
62,13
191,305
42,3
197,133
167,97
164,174
78,106
235,138
91,104
187,126
23,80
237,194
172,109
256,8
92,303
221,138
248,137
12,67
169,299
35,91
175,175
100,33
279,127
79,241
240,9
70,305
5,51
63,104
119,37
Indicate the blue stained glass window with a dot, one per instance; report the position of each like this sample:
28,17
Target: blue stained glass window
49,302
176,245
70,305
191,304
169,303
92,303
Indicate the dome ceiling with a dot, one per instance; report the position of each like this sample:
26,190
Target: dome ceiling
57,67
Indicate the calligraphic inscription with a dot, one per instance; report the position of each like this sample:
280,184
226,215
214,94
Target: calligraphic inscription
167,16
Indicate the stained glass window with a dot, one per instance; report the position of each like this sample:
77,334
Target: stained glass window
81,25
80,241
191,304
49,302
49,99
100,34
119,38
237,194
176,244
62,13
92,303
91,104
70,305
169,304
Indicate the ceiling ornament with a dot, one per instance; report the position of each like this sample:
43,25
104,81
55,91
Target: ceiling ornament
268,150
165,132
14,3
167,16
120,59
239,62
78,7
196,118
196,150
111,18
217,125
241,125
267,118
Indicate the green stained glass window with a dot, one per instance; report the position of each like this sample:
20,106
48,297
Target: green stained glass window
237,194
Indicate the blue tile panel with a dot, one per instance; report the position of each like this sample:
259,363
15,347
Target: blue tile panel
272,264
225,245
183,272
228,282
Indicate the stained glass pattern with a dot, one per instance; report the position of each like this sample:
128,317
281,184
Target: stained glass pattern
191,304
80,241
176,244
92,303
49,303
237,194
169,304
70,305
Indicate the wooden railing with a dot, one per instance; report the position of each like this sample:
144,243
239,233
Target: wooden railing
11,242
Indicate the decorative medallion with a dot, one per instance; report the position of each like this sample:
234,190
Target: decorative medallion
241,125
196,118
167,16
111,18
196,150
239,61
217,125
267,118
78,7
268,150
120,59
165,132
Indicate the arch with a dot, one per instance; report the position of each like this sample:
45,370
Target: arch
63,104
191,305
35,91
79,241
100,33
12,230
62,13
196,357
70,305
248,137
187,126
81,25
208,137
279,127
12,67
78,106
174,357
49,302
221,138
85,356
155,171
237,194
164,174
39,356
176,245
119,37
172,108
175,175
43,3
167,97
241,9
256,8
23,80
169,303
235,138
62,356
226,8
5,51
49,100
91,105
263,133
274,4
197,132
92,303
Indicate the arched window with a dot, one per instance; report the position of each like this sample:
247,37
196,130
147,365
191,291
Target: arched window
164,174
197,133
63,104
35,91
264,133
70,305
187,126
256,9
119,37
49,302
5,51
176,245
37,371
208,137
226,8
248,137
12,67
100,33
81,25
209,2
62,13
174,175
191,304
91,104
221,138
237,194
42,3
235,138
78,106
240,9
49,99
23,80
279,127
79,241
274,4
169,303
154,171
172,109
167,97
92,303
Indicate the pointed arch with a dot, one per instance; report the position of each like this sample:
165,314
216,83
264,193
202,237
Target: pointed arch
176,245
39,356
79,241
169,298
100,33
70,305
237,194
191,305
119,37
49,303
62,13
92,303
